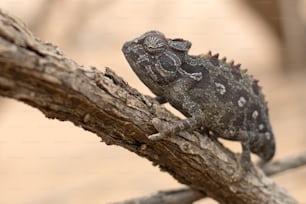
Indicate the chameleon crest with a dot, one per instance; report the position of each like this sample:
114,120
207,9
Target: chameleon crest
211,93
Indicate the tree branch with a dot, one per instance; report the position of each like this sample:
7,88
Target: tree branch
40,75
190,195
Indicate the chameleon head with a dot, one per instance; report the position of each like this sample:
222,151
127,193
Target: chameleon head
155,59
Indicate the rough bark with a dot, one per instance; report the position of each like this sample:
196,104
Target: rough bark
187,195
40,75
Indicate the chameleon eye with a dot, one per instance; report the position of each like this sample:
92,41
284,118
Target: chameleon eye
154,44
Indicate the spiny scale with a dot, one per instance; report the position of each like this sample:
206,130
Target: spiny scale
216,57
223,60
231,63
237,66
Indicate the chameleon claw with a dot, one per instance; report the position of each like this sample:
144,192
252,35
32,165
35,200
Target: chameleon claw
156,136
159,126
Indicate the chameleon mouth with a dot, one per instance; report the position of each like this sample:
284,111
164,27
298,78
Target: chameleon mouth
126,47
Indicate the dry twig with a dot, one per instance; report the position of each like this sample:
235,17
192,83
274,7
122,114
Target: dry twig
285,164
182,196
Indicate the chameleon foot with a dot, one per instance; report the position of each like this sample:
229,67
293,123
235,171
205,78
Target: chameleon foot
161,128
244,166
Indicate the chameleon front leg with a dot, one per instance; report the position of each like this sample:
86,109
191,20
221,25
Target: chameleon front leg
245,157
177,95
169,130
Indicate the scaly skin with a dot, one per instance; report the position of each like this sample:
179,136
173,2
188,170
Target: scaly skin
212,94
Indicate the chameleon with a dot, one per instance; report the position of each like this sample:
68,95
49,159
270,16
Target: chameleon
211,93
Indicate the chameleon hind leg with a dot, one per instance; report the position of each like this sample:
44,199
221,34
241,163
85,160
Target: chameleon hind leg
245,162
245,159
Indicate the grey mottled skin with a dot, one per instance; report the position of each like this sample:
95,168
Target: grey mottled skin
212,94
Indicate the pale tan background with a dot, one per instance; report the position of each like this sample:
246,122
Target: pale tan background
47,161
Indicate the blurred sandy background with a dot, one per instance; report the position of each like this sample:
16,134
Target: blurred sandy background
47,161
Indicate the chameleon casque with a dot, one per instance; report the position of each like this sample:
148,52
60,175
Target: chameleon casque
211,93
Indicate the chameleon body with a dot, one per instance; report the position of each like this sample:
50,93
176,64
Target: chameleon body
211,93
